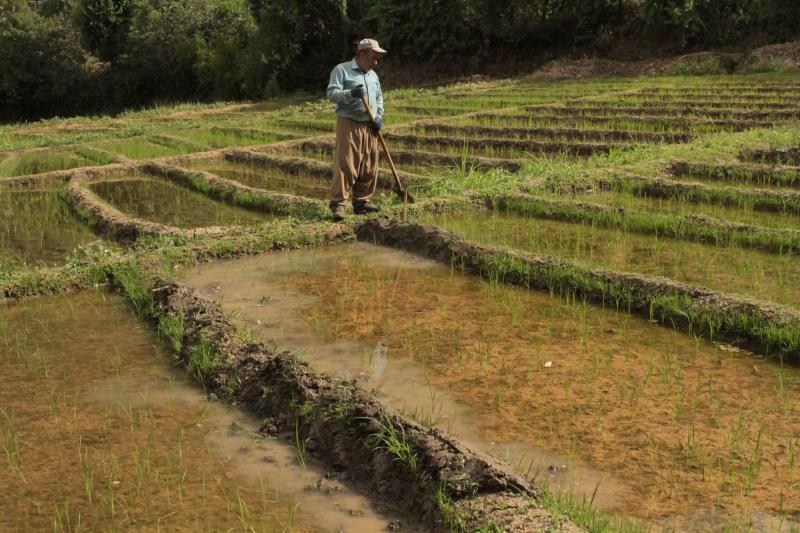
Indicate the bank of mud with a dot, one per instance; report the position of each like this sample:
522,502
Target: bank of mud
429,475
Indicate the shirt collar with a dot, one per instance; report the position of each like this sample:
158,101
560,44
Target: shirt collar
354,65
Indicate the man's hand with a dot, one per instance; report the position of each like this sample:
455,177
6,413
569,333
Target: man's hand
378,124
357,92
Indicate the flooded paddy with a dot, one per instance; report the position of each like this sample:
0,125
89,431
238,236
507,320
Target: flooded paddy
264,177
38,161
99,433
670,429
38,228
160,201
679,207
753,273
140,148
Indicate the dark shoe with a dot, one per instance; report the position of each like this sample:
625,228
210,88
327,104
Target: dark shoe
365,207
337,211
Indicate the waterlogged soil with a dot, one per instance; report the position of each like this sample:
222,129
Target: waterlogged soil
753,273
38,161
679,207
160,201
38,228
327,157
261,177
140,148
99,433
676,431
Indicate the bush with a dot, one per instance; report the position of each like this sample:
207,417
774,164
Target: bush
43,68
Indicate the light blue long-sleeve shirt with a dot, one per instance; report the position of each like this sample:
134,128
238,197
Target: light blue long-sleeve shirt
344,78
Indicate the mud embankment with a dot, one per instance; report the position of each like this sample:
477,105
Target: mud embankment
575,134
756,199
480,143
763,327
422,471
785,176
775,156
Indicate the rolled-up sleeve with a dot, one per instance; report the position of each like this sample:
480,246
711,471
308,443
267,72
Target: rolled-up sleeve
379,102
336,91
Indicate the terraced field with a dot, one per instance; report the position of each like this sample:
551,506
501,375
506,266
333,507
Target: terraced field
589,318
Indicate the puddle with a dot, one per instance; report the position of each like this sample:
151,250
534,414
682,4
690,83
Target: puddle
166,203
673,429
753,273
269,178
98,433
678,207
37,228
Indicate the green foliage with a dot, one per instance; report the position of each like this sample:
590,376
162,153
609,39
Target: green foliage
104,25
170,50
42,65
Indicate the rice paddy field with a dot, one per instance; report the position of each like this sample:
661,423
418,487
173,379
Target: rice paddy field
587,319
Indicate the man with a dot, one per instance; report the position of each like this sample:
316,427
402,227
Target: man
355,164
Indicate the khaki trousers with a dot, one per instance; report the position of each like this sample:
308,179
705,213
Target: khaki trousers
355,163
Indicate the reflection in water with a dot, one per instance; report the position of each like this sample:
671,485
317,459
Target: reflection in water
98,433
160,201
38,228
754,273
675,430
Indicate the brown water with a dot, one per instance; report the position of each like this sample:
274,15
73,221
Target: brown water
269,178
98,433
678,432
37,228
161,201
752,273
678,207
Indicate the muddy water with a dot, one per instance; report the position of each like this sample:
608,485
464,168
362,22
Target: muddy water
161,201
677,207
677,431
37,228
753,273
98,433
269,178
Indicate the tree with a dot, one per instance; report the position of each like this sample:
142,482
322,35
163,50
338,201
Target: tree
104,25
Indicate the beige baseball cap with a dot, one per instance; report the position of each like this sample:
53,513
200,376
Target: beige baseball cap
369,44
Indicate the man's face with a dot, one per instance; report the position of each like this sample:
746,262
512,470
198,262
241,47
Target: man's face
367,59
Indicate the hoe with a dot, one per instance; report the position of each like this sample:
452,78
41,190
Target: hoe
398,188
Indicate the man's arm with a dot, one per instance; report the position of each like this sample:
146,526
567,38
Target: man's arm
379,103
336,91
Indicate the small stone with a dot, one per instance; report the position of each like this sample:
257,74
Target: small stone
548,364
395,525
115,483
